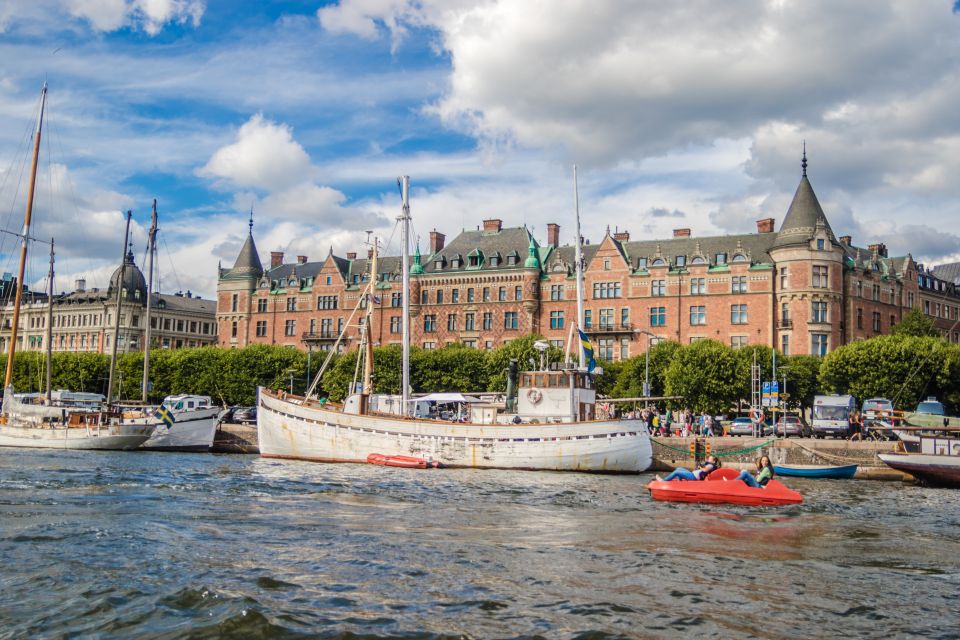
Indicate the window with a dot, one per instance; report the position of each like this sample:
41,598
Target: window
486,294
859,288
290,328
452,322
876,321
518,293
587,318
658,316
658,288
429,323
876,292
396,299
235,302
429,345
681,261
859,318
785,314
783,277
179,324
556,319
473,260
721,258
603,290
606,318
326,328
261,328
698,286
738,314
818,311
439,296
512,259
605,349
738,284
469,321
502,294
606,264
625,317
641,263
697,260
738,341
329,280
785,344
193,325
818,344
488,345
487,321
820,244
820,277
329,302
624,348
739,257
557,343
510,320
698,315
291,304
470,343
262,305
556,292
396,325
455,296
424,297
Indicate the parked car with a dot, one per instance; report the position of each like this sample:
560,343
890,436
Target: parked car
744,426
877,409
931,406
790,426
245,415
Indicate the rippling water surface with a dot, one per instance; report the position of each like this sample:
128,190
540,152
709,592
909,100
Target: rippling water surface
153,545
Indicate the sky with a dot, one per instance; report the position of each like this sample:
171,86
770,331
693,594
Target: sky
689,114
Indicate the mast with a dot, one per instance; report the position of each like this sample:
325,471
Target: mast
49,337
151,249
368,322
27,216
405,270
578,258
116,324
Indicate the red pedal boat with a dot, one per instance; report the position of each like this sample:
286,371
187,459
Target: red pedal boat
721,487
406,462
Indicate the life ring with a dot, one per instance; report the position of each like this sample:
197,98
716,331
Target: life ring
756,415
534,396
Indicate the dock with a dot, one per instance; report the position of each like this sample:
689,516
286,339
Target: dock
236,438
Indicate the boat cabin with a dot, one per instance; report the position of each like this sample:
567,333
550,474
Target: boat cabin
185,402
566,395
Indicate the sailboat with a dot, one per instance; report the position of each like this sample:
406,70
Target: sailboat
24,424
183,422
549,423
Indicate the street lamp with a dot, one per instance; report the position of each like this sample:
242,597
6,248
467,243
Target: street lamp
646,379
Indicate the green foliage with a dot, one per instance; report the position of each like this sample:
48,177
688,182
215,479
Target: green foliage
521,349
705,374
916,323
803,372
633,373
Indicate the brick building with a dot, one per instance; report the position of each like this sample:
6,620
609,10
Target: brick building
799,288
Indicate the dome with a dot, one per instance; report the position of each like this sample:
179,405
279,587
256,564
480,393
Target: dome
134,284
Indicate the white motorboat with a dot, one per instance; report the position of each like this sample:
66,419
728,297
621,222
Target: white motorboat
181,423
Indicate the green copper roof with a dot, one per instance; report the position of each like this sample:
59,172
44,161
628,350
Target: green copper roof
417,268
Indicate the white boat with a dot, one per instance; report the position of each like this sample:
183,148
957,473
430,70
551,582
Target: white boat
933,457
192,423
25,424
549,424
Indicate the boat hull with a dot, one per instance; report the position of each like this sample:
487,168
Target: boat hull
287,429
843,471
113,437
192,431
934,470
720,487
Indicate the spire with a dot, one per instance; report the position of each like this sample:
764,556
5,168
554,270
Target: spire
417,268
251,220
804,215
803,163
533,262
248,263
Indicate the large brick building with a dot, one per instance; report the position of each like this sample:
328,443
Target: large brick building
799,288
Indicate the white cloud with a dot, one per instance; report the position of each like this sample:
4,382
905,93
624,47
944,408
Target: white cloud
149,15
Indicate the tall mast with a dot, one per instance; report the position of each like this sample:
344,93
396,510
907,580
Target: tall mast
405,318
49,337
371,297
151,249
116,324
578,258
27,216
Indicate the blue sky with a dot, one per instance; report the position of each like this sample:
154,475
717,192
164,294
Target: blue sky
307,111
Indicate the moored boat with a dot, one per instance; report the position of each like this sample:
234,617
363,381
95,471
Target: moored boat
721,487
816,471
933,457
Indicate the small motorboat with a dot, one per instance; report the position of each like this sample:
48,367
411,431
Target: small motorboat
721,487
815,471
405,462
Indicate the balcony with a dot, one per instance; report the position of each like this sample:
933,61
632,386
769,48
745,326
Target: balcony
319,336
612,327
785,323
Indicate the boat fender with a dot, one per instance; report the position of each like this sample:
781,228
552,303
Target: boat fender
534,396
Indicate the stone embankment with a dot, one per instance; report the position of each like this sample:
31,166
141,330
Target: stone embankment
236,438
742,453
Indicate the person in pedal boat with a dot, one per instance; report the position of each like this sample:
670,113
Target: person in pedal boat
711,463
764,474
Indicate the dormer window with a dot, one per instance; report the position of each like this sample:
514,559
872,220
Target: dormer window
356,278
474,260
721,258
697,260
456,262
513,259
681,261
641,263
739,258
495,260
820,244
658,262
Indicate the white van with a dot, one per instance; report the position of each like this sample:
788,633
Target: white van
831,415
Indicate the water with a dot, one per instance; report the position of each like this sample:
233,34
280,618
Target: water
151,545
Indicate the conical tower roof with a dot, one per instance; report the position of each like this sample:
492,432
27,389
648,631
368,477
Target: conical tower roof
803,216
248,263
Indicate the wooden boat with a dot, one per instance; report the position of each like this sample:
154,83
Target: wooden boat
931,456
721,487
815,471
405,462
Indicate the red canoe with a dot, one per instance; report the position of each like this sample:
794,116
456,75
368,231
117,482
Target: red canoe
406,462
721,487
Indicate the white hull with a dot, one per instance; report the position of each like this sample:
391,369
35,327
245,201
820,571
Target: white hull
287,429
192,431
113,437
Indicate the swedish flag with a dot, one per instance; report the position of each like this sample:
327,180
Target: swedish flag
587,351
165,416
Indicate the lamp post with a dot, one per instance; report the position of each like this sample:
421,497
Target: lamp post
646,378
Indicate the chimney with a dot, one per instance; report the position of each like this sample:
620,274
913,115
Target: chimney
493,225
80,284
765,225
681,233
553,234
436,241
622,236
301,259
847,240
276,259
351,255
879,249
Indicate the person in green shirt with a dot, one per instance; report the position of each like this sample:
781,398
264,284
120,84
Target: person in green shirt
764,474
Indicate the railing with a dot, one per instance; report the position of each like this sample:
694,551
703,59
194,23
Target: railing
622,327
785,323
319,335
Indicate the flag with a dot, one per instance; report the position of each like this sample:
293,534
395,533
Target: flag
376,299
587,351
164,415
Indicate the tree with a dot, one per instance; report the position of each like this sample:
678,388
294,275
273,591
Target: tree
634,371
705,374
803,373
520,349
916,323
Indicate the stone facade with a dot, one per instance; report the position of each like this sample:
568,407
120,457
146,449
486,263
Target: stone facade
800,289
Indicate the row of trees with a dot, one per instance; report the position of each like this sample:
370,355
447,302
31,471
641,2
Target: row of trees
707,375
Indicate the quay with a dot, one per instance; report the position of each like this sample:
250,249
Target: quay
742,453
235,438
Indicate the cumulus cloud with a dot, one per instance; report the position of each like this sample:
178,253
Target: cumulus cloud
149,15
